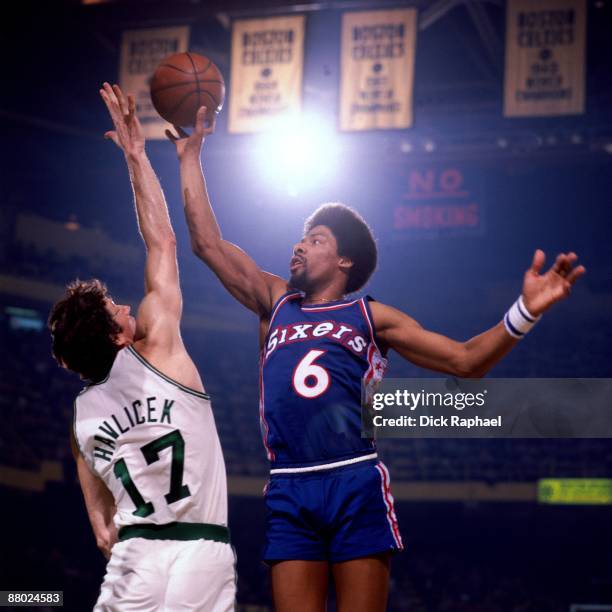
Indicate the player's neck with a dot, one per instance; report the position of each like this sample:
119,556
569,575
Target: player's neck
321,299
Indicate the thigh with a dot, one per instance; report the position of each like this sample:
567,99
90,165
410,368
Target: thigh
363,515
300,586
294,530
133,579
201,577
362,585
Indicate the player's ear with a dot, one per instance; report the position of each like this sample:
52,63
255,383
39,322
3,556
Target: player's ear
345,263
121,340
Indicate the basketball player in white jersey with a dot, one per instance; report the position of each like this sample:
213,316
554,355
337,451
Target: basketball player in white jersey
147,450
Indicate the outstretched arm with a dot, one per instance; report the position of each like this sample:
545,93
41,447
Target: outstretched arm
474,358
99,503
160,312
251,286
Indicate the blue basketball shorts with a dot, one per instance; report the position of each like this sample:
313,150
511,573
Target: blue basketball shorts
333,515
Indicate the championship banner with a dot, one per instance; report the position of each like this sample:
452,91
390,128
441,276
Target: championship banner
141,52
545,57
377,71
266,72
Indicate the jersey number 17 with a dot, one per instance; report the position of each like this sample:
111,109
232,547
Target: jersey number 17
151,451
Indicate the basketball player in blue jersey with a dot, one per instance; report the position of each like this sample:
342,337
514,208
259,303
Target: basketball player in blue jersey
328,499
148,455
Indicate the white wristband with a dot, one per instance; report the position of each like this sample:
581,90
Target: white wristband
518,320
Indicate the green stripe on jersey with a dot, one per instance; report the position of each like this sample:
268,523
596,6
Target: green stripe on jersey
167,378
176,531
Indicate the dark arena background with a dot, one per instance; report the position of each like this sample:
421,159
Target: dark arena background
476,537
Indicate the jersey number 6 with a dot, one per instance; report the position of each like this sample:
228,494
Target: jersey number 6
310,380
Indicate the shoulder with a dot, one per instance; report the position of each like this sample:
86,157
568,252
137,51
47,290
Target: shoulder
381,313
282,298
174,363
387,317
277,288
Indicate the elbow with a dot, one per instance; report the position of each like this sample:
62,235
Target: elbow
463,366
169,241
198,247
464,371
203,248
164,241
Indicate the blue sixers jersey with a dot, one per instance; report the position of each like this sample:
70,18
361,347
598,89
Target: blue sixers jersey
313,363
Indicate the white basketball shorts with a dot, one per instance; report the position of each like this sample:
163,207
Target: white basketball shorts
167,575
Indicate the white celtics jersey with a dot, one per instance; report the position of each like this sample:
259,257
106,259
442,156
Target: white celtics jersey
154,444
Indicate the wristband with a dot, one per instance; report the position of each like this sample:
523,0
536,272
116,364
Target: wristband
518,320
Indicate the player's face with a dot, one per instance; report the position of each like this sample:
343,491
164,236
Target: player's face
315,259
121,315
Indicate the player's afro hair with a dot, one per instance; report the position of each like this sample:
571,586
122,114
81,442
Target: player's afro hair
354,237
83,331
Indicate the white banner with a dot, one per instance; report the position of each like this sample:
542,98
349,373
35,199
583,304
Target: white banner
141,52
545,57
266,73
377,69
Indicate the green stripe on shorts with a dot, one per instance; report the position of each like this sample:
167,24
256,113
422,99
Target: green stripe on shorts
176,531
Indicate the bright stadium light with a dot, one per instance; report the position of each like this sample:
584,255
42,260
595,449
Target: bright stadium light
298,153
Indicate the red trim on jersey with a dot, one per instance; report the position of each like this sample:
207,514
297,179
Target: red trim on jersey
388,499
367,377
370,322
321,308
262,417
284,299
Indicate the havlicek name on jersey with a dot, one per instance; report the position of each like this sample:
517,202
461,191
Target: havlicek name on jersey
138,413
299,332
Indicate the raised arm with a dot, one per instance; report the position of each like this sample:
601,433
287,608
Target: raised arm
474,358
251,286
99,503
160,312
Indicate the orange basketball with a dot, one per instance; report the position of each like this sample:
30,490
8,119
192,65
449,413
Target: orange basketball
182,83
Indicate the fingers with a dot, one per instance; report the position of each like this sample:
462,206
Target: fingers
564,267
568,264
112,135
112,103
559,264
116,102
131,106
538,261
200,123
575,274
211,126
171,136
564,263
201,126
107,100
180,133
110,93
123,105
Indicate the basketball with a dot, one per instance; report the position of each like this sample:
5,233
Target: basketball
182,83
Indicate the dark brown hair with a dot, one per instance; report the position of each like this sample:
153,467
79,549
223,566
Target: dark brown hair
354,237
83,331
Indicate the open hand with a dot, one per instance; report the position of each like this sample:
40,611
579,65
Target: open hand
541,291
191,144
127,134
